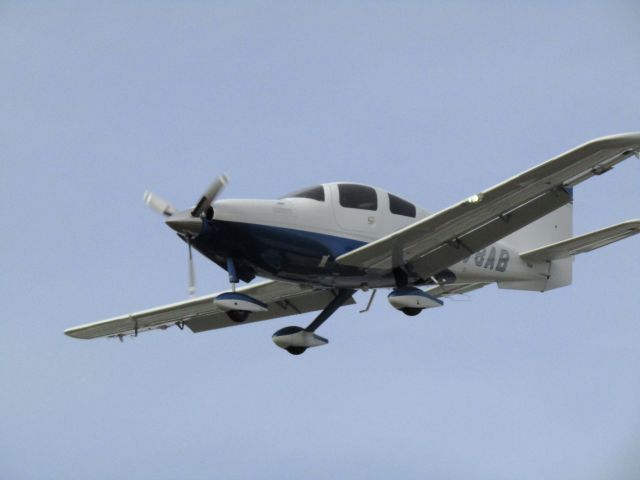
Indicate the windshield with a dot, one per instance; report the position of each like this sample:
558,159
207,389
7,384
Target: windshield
314,193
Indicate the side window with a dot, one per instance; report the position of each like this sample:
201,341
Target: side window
358,196
314,193
401,207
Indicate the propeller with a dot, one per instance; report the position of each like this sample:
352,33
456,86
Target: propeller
158,204
188,223
209,195
192,273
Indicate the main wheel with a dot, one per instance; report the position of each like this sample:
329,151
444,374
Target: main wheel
296,350
412,312
238,316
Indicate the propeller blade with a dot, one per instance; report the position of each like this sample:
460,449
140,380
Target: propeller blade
158,204
192,273
209,195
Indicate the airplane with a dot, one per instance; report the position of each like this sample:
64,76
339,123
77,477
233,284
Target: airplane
318,246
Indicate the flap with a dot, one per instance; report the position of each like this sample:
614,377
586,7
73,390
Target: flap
448,290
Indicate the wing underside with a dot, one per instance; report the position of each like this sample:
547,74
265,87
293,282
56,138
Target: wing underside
449,290
201,314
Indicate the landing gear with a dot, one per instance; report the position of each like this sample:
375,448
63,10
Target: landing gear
402,292
236,305
411,300
238,316
296,350
296,340
233,276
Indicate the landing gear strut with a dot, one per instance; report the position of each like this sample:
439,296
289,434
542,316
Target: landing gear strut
237,306
235,313
233,276
296,340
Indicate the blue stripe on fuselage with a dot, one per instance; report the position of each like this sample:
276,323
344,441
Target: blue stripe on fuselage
292,239
290,254
273,249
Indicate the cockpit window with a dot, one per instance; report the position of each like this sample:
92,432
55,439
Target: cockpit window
358,196
314,193
401,207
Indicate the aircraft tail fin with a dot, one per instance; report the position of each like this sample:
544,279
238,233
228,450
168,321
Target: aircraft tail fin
552,229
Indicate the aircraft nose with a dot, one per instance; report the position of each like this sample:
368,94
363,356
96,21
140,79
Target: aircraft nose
185,223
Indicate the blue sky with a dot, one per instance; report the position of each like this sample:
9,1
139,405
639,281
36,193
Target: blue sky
434,101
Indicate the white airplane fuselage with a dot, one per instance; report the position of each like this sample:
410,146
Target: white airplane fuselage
318,246
298,239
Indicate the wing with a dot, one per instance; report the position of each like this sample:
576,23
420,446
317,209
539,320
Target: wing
444,238
201,314
584,243
455,289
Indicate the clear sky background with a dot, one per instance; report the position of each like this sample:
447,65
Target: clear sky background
433,101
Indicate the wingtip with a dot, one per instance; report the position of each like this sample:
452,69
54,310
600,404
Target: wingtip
621,139
73,332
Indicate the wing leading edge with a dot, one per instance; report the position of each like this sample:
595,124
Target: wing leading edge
444,238
201,314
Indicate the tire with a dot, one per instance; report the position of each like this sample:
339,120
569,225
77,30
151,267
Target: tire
238,316
296,350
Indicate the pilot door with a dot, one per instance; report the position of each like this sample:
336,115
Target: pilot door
356,208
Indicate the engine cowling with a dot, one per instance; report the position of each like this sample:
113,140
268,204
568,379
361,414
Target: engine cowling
412,300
